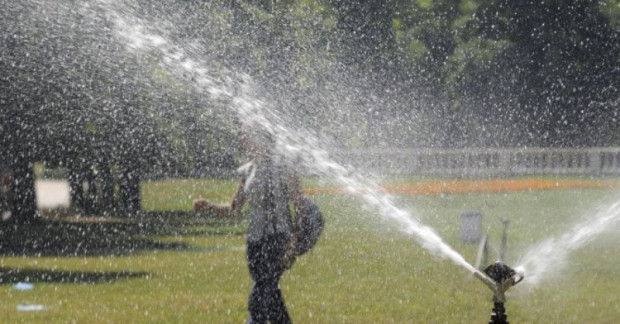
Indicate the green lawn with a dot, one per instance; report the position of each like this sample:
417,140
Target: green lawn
192,270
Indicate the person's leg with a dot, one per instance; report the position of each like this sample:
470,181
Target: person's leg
257,305
266,301
278,314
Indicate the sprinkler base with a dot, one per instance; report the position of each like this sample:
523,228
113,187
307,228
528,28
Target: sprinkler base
498,314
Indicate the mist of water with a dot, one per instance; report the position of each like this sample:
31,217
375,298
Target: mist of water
305,146
148,37
547,259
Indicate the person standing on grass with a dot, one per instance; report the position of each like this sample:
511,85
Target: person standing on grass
268,185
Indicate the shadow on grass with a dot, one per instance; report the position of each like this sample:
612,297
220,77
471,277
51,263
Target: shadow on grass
101,236
15,275
179,223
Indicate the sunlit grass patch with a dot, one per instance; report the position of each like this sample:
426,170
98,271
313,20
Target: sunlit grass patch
179,194
193,269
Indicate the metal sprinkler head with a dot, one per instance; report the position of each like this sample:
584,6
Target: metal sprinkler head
500,272
499,277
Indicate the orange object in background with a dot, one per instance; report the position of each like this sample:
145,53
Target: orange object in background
492,185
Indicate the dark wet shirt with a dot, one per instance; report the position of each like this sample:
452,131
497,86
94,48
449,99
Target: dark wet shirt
268,199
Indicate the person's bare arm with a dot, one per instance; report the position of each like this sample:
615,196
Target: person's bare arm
225,210
236,204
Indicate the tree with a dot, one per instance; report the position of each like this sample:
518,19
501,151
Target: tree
547,61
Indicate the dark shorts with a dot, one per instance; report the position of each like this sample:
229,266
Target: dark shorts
264,261
264,257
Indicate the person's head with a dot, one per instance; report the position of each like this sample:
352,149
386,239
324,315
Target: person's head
255,140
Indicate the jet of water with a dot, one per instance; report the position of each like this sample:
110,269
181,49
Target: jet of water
303,144
548,258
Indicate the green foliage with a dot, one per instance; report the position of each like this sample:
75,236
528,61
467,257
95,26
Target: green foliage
546,66
449,73
611,10
471,67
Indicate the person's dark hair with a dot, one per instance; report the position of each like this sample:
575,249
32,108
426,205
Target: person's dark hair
256,136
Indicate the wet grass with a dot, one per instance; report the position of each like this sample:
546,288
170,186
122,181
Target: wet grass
178,195
174,267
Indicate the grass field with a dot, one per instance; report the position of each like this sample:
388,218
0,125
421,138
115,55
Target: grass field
174,267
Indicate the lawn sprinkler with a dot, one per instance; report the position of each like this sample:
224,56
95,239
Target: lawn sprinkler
499,277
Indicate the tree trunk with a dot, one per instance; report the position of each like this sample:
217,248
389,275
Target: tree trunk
106,198
24,209
130,191
90,199
76,190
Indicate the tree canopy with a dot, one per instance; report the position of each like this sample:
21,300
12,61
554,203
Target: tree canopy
397,73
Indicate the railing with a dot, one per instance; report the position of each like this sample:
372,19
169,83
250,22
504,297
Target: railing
486,162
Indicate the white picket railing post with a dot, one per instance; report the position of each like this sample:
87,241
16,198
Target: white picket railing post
487,162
